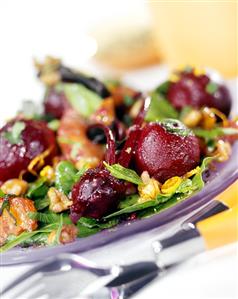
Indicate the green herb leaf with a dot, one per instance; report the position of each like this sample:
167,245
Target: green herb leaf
14,135
2,194
5,205
92,223
211,87
84,231
49,217
197,180
128,201
58,232
36,240
38,189
65,175
54,124
163,88
128,101
176,127
134,208
79,174
83,100
186,187
214,133
160,207
123,173
160,108
41,203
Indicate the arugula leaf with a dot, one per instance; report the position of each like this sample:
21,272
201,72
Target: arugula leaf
133,208
14,135
81,171
49,217
197,180
160,108
38,189
186,187
91,223
123,173
128,201
5,205
163,88
41,203
2,194
38,239
176,127
54,124
128,101
83,100
214,133
211,87
59,230
160,207
65,176
84,231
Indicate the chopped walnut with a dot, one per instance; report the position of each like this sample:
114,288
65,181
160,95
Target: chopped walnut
15,187
58,201
192,118
150,188
223,151
67,235
49,70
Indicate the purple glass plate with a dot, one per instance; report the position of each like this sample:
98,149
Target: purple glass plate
218,180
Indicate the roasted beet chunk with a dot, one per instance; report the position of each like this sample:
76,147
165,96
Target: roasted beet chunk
55,103
96,194
20,142
198,91
167,149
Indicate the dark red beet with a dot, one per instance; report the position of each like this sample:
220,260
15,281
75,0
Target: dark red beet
191,90
55,103
222,100
165,154
34,139
96,194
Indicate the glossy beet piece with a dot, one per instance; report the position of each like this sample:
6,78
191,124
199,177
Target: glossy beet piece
96,194
55,103
164,154
34,139
191,90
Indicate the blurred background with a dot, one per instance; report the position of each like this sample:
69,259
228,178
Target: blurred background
112,38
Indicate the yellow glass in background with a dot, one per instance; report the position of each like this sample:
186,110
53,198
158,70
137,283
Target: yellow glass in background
201,33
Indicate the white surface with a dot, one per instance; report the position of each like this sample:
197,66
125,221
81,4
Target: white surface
35,28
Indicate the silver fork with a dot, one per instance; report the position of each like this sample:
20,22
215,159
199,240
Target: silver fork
71,276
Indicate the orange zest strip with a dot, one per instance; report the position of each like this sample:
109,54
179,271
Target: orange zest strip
38,162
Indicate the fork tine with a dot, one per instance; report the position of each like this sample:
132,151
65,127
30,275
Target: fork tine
18,287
